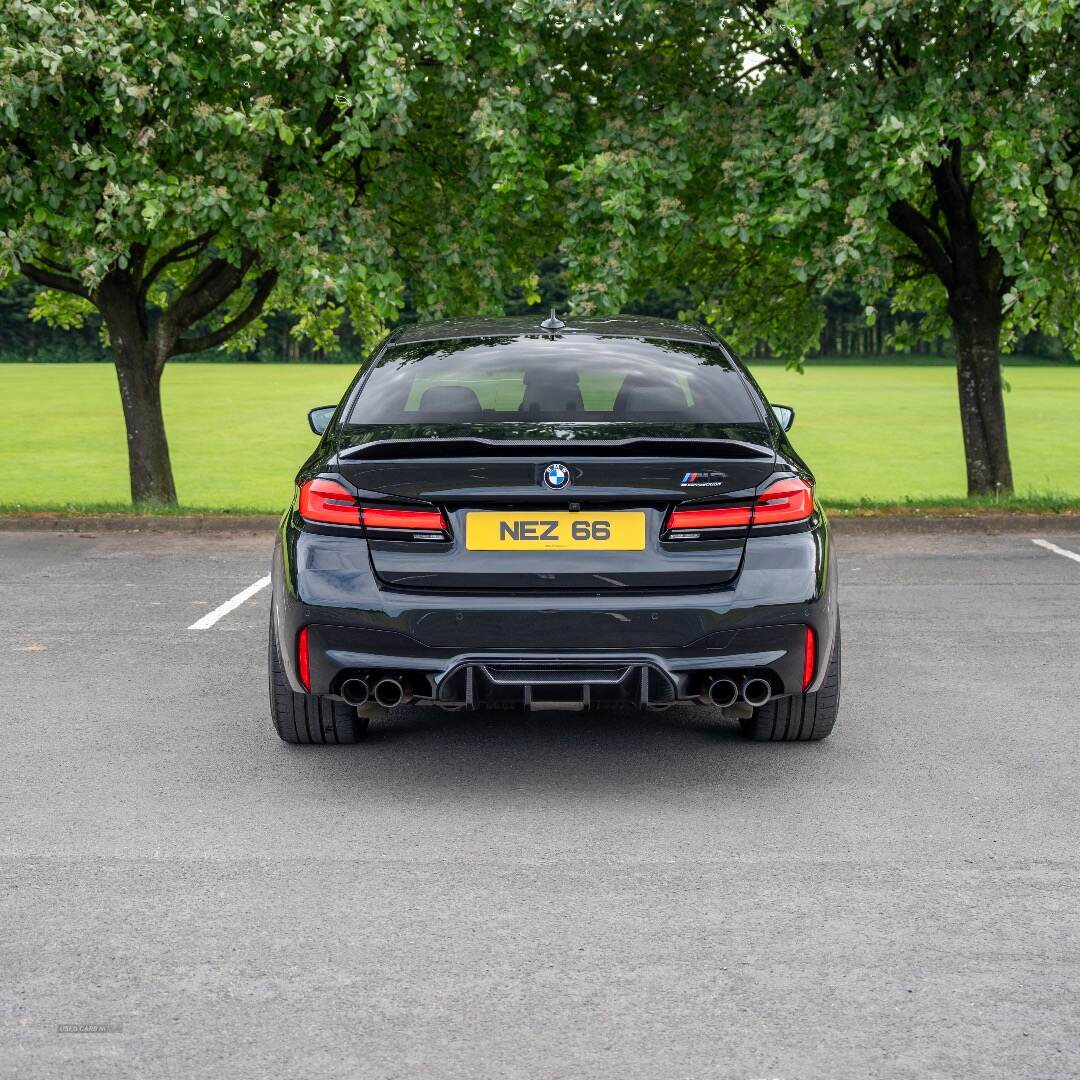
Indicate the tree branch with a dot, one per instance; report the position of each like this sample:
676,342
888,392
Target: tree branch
264,286
54,265
215,283
769,61
953,195
51,280
933,223
916,227
189,249
796,60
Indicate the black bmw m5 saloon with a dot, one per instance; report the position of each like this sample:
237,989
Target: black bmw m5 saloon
514,513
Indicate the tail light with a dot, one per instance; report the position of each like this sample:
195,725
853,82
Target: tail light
303,659
377,517
330,503
326,501
719,517
808,658
784,502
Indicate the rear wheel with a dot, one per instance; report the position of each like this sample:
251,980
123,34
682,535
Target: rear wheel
308,718
801,717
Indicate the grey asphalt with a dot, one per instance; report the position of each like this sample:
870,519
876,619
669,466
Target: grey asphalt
545,895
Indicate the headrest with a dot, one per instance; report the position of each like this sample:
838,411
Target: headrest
449,398
645,399
550,377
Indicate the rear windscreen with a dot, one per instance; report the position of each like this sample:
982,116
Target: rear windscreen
527,380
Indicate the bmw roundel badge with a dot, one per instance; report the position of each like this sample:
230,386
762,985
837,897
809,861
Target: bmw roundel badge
557,476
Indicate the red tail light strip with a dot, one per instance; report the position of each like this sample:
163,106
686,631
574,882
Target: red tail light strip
328,502
809,657
303,659
785,501
781,503
417,520
723,517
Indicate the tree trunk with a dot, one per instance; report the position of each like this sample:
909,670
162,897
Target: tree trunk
139,376
148,447
977,334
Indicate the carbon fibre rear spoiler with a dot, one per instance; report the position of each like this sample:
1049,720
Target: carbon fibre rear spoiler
636,446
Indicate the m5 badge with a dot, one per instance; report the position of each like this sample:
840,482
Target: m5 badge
703,479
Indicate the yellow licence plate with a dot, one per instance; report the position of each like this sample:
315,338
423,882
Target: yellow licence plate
543,531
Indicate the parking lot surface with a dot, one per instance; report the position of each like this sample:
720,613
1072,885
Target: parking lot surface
537,895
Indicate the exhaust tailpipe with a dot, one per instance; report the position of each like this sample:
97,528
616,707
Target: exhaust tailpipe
756,691
355,691
723,692
390,692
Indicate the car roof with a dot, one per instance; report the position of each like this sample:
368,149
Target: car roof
528,326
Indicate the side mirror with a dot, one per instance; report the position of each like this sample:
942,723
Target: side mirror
320,418
785,414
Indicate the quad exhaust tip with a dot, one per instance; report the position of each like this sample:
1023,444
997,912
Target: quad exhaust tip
756,691
389,692
355,691
723,692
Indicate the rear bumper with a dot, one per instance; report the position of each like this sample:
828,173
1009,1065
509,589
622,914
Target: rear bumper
461,649
505,676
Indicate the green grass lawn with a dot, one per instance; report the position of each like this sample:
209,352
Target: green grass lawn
893,432
238,432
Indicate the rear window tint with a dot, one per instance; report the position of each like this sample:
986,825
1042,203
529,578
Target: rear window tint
538,380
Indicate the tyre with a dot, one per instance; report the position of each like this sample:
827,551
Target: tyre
801,717
308,718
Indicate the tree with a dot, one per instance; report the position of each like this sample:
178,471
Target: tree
770,153
185,169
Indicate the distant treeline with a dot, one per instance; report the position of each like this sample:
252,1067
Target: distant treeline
846,334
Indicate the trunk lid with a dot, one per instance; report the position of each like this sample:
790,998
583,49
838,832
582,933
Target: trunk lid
637,476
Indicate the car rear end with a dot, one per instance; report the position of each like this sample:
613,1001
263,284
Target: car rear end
555,522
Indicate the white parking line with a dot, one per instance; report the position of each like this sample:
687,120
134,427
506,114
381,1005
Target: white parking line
222,610
1055,549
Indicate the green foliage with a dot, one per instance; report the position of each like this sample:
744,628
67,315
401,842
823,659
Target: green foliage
766,153
346,149
426,154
